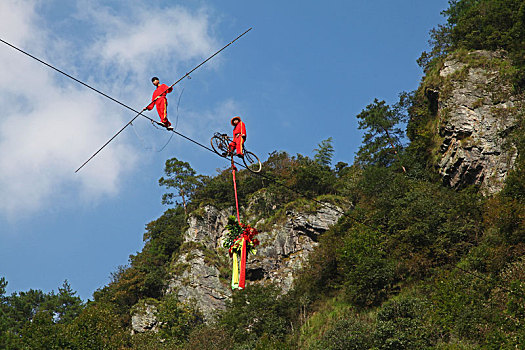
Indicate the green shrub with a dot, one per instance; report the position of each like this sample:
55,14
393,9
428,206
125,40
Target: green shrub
346,334
209,338
401,324
255,313
368,274
98,327
370,281
461,308
177,320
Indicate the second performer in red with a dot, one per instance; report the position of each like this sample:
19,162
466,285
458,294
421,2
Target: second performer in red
239,135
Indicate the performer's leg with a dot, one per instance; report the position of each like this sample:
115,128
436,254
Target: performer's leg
162,110
239,141
165,113
232,146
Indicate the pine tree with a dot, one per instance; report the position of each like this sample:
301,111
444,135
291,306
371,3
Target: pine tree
180,176
324,152
382,138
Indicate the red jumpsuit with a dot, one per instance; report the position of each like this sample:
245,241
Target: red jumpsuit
161,102
239,136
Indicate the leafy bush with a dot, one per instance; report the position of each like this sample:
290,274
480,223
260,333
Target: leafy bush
346,334
177,320
370,281
320,276
432,225
401,324
254,314
209,338
311,178
368,274
460,305
97,327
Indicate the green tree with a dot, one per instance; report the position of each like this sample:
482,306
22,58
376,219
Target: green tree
383,136
67,305
42,333
180,176
486,24
34,319
4,316
324,153
24,306
97,327
368,271
311,178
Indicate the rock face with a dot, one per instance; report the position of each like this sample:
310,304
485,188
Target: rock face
476,115
202,273
144,320
287,245
196,277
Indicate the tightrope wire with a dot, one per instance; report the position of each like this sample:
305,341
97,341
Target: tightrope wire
113,99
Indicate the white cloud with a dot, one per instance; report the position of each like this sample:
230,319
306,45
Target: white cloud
146,39
17,20
50,125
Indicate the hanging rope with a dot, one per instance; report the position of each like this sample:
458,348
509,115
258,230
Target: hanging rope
235,190
140,138
167,142
149,146
177,115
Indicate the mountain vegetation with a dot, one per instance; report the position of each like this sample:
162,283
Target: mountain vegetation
413,264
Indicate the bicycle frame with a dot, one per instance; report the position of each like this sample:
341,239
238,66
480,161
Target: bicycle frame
228,140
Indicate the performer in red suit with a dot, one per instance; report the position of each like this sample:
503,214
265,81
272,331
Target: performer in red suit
159,100
239,135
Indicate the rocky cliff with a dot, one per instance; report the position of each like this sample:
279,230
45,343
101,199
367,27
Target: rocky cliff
202,272
477,110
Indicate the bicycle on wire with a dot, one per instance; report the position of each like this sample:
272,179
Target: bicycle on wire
221,145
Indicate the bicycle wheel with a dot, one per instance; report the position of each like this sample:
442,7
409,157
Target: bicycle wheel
219,146
252,162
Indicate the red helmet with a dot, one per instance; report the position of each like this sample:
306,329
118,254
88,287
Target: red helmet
236,117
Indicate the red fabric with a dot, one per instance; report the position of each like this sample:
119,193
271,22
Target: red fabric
161,103
239,136
242,275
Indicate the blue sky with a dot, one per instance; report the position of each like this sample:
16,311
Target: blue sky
300,76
